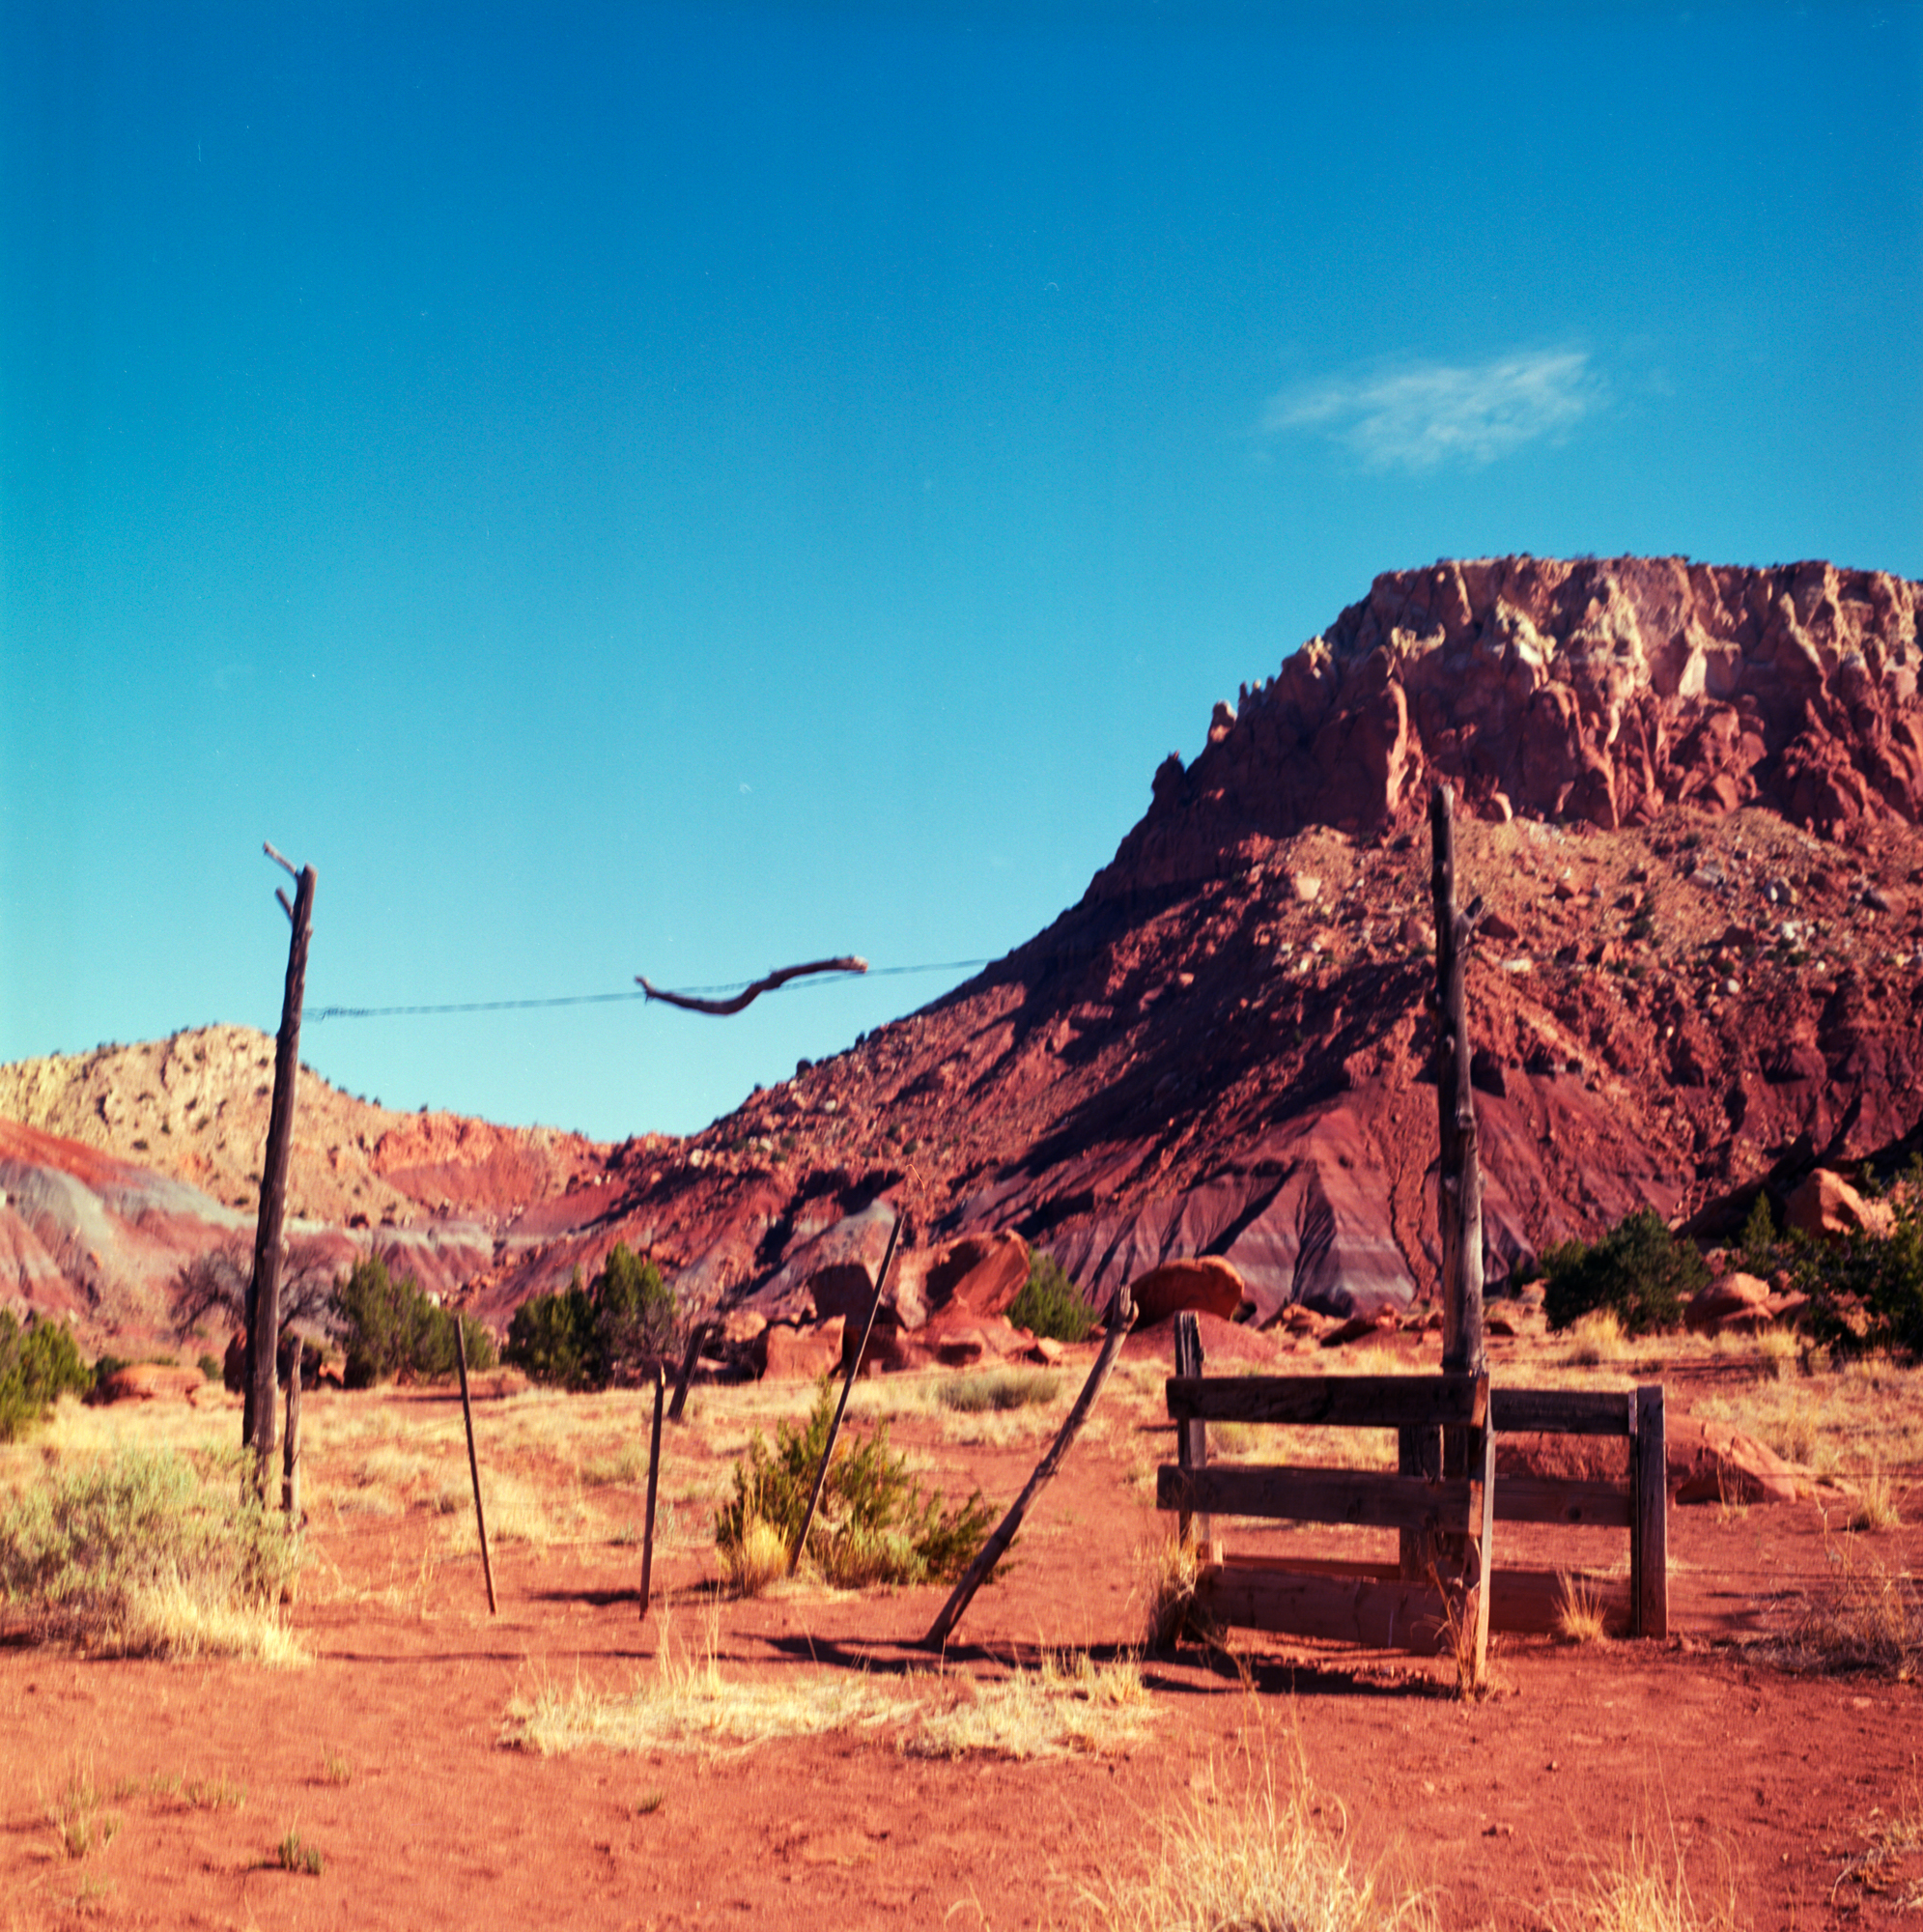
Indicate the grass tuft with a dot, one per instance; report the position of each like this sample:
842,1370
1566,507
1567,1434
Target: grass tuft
294,1854
1170,1570
1867,1620
756,1557
1070,1705
688,1705
1000,1389
1579,1614
81,1824
1876,1507
1638,1891
1265,1858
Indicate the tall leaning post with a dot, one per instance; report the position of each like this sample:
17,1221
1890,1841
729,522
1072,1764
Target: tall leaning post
264,1285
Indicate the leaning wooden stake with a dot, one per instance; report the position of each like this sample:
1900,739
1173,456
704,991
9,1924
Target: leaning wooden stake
1122,1319
264,1284
654,1479
1459,1193
841,1408
702,1330
474,1463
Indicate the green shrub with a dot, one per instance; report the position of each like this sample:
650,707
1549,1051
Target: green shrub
873,1526
1875,1279
391,1329
1639,1271
552,1337
140,1554
38,1365
210,1366
586,1338
1051,1304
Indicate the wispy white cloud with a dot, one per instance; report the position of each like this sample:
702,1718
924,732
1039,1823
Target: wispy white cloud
1424,414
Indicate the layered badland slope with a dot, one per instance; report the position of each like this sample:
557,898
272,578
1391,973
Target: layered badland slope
1692,801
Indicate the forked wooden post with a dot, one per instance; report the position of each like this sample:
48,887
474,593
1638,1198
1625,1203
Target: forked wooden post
654,1480
1192,1437
1122,1319
841,1408
264,1284
1648,1531
474,1463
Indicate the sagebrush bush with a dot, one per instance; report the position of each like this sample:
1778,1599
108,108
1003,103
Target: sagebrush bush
141,1554
874,1523
1638,1271
584,1338
391,1328
38,1365
1051,1304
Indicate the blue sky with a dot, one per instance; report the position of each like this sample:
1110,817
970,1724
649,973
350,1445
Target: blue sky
681,490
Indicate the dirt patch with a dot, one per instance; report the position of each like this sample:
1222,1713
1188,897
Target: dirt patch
390,1757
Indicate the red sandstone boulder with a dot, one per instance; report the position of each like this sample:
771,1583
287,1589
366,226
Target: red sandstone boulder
982,1275
153,1381
1728,1301
1825,1207
1207,1283
800,1354
1712,1462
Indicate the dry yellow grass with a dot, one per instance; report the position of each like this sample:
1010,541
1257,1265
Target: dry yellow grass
1070,1705
1640,1889
1579,1617
1269,1854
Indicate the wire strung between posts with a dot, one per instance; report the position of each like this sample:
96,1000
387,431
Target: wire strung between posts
315,1013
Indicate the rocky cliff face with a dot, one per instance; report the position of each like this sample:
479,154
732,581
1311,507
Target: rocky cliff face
1599,691
1694,799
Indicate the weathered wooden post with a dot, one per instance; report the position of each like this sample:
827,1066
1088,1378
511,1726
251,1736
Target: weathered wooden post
654,1480
264,1285
1454,1558
1191,1436
1458,1190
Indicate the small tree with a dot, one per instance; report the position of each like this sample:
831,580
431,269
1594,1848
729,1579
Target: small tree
1756,1247
390,1329
586,1338
1639,1269
552,1337
635,1315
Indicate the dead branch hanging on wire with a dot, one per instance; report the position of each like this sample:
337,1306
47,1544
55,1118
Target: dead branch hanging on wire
849,963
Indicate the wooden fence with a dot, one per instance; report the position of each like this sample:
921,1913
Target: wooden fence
1445,1589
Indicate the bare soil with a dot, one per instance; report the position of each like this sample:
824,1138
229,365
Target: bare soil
386,1754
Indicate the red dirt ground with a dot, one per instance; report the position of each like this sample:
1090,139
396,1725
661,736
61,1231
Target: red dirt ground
1762,1781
